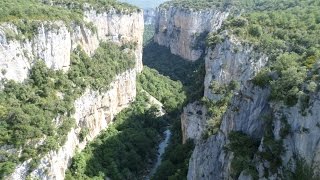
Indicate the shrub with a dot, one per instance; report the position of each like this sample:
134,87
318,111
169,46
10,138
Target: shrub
262,79
255,30
244,147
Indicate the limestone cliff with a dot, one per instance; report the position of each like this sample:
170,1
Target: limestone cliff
228,61
183,30
233,102
246,112
193,121
93,111
54,41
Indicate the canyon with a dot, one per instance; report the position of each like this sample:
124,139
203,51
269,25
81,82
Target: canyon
254,113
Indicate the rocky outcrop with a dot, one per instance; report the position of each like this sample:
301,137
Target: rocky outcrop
303,132
230,60
149,16
184,31
210,160
54,41
193,121
94,111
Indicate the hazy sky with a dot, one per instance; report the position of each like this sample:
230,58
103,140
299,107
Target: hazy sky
144,3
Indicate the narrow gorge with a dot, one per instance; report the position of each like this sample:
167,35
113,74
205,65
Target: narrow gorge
186,89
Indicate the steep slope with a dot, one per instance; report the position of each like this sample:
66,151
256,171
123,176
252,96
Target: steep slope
61,41
261,92
53,41
183,30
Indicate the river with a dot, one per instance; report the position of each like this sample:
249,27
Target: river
161,149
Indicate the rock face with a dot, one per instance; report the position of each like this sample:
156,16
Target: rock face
303,137
93,111
231,60
183,30
53,42
149,16
223,64
193,121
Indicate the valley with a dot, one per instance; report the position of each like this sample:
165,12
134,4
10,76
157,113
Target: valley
180,89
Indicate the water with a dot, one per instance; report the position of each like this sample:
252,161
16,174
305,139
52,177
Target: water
162,147
144,4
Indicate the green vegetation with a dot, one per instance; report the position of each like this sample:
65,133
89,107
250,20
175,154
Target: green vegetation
244,147
27,109
272,148
148,33
99,5
303,171
65,10
197,4
175,162
190,74
28,14
172,95
216,109
167,91
287,31
125,148
291,76
116,156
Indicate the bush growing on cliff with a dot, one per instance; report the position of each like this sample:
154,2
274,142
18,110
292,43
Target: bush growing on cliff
217,108
244,147
262,79
213,39
303,171
291,76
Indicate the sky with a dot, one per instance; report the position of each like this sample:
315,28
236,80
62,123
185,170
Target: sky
144,4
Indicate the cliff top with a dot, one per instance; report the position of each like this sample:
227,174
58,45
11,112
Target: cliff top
236,5
196,5
66,10
288,33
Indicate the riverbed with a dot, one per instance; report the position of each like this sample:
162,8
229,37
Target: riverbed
161,149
